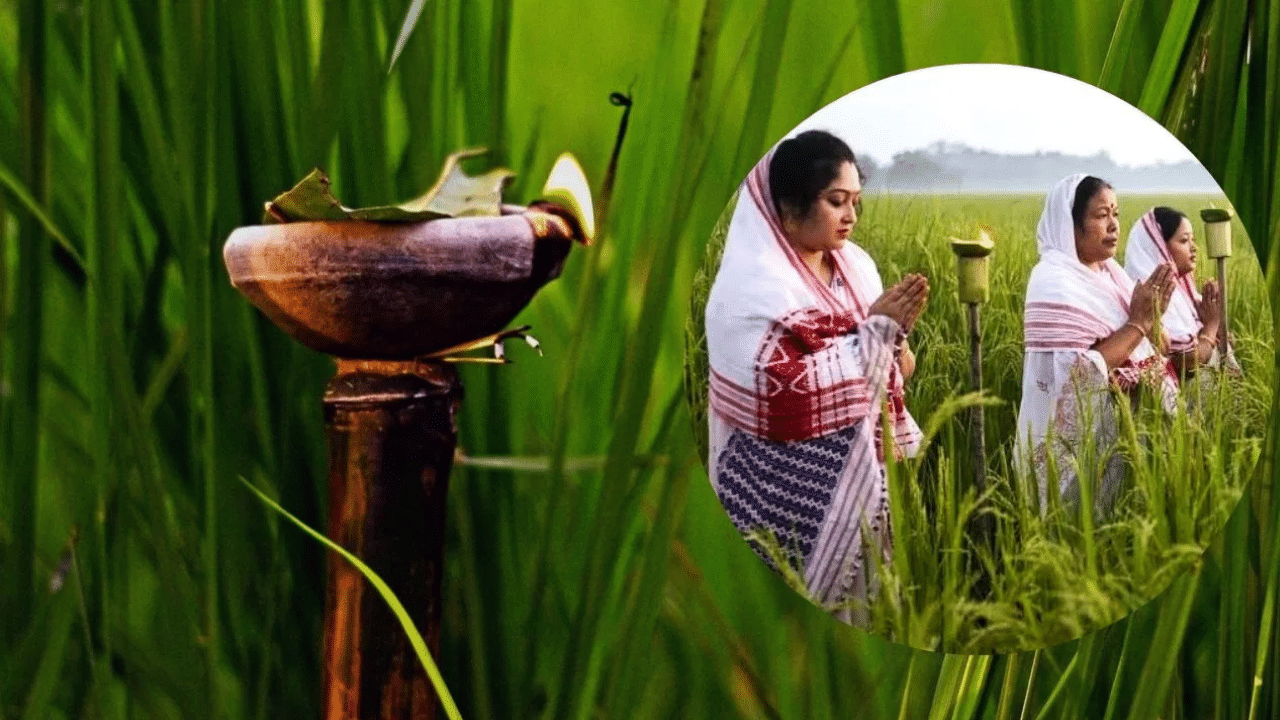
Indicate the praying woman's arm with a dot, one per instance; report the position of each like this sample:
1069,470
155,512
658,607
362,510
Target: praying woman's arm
1209,310
1156,289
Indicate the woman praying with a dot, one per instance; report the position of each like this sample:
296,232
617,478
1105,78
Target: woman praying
1192,319
1085,329
807,354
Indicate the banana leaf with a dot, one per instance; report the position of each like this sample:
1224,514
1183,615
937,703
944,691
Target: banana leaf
455,194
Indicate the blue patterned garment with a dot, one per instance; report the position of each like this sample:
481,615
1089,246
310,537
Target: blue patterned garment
782,488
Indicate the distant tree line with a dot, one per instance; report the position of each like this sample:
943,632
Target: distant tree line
954,167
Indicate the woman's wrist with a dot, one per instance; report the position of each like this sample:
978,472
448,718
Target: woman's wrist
1143,330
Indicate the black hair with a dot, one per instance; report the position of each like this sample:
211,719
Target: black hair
1168,219
1087,188
802,166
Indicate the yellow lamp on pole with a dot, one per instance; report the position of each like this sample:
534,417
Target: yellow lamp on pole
974,288
971,267
1217,233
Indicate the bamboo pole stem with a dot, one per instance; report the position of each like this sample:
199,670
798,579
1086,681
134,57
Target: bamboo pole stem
982,524
391,436
979,449
1222,299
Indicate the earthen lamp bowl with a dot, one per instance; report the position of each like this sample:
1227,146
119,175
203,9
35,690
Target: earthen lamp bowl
379,290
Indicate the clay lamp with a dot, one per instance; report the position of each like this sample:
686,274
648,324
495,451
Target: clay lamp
398,294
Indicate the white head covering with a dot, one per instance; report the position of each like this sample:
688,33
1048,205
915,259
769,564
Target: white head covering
1056,232
1086,305
1146,250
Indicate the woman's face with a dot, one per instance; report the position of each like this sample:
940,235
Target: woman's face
1098,237
831,217
1182,248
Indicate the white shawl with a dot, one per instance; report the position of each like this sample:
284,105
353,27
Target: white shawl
1069,308
797,368
778,339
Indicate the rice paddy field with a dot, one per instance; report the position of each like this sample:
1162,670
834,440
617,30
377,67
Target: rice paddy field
981,570
590,572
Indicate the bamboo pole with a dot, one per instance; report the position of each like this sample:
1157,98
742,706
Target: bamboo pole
983,523
973,287
1222,301
392,435
972,261
978,445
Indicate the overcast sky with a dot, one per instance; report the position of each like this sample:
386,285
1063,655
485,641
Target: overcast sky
1003,108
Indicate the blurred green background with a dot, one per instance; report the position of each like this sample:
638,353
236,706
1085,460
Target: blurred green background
598,576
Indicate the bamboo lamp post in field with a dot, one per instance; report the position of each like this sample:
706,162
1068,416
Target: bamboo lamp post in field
973,283
1217,231
398,294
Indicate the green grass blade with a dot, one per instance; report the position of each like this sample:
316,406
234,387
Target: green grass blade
1114,695
1119,48
20,419
23,196
972,686
39,700
1267,616
1031,679
883,37
1007,686
1066,675
1232,621
764,79
1167,58
1157,672
406,622
955,669
104,297
906,689
406,29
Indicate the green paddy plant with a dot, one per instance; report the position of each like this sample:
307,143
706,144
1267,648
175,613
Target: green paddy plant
135,386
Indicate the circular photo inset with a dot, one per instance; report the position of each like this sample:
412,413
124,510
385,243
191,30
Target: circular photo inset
982,359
